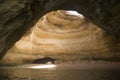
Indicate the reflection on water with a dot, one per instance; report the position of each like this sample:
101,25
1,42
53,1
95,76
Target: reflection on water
57,74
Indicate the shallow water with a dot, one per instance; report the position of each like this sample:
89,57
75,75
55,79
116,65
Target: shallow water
66,73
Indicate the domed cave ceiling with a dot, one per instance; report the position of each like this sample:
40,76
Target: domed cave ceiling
64,36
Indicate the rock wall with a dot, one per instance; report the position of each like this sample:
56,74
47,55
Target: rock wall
14,18
104,13
63,36
17,16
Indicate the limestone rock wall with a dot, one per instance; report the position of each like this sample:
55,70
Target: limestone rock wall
17,16
105,13
67,37
14,16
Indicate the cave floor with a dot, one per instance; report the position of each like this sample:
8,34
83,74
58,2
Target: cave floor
64,71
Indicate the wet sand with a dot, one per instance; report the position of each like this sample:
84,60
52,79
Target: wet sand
81,71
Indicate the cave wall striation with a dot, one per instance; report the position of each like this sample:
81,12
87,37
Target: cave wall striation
17,16
63,36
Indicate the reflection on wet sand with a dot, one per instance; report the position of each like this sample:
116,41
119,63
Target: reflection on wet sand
81,71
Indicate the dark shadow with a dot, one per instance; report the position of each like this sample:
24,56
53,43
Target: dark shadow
45,60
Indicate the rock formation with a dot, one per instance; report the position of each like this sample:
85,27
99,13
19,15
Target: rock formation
65,36
16,17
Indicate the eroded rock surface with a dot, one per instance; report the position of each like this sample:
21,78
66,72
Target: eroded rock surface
14,16
64,36
17,16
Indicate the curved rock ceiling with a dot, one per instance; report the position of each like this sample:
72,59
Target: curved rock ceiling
59,32
63,36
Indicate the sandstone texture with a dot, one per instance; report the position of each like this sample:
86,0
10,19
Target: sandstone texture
104,13
18,16
67,37
14,18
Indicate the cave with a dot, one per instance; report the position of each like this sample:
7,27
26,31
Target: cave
65,35
67,31
19,16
